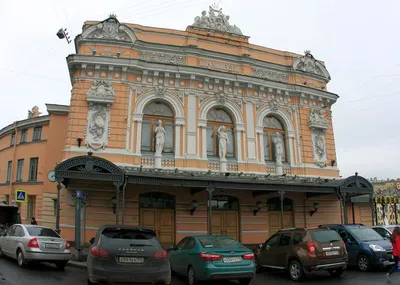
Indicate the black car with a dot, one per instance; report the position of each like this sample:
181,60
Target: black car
127,254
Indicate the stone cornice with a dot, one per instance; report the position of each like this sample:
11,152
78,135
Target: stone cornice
57,109
75,62
39,121
186,51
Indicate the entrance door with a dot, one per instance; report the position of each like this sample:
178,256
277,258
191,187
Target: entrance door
157,211
225,216
162,221
275,222
274,211
226,223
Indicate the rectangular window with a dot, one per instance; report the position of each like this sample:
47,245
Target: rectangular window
20,170
12,140
326,236
285,239
31,207
9,169
24,134
33,169
37,134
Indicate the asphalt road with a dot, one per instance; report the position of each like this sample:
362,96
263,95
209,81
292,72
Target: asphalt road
45,274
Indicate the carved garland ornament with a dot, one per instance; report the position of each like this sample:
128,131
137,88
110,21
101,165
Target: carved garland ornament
270,75
162,57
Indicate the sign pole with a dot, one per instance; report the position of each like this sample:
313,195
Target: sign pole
58,208
78,227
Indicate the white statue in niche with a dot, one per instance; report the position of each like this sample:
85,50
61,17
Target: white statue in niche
278,148
223,141
160,137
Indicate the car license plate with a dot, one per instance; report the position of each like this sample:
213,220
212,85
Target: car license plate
330,253
54,246
231,259
131,260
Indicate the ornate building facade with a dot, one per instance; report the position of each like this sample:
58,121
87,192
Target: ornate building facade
199,131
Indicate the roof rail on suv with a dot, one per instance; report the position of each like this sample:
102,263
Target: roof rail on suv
323,226
302,229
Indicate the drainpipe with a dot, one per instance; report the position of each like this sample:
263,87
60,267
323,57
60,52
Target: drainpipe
13,162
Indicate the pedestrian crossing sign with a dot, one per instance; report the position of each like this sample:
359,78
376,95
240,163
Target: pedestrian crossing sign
21,196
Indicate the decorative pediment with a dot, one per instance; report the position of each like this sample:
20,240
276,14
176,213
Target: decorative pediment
101,92
317,120
309,64
216,21
110,29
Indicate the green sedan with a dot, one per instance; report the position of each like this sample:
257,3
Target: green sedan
202,258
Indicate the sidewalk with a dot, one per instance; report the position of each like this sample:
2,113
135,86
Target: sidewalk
81,262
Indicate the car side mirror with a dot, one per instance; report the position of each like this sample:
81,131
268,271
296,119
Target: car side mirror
171,248
91,240
260,246
348,241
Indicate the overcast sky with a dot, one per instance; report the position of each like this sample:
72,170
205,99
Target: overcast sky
358,40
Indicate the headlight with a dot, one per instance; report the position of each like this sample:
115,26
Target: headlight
377,248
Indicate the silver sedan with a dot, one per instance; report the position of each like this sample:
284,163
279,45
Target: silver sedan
28,243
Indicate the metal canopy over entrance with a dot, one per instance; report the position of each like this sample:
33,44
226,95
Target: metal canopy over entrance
93,168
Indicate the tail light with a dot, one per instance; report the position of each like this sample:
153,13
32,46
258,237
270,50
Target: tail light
161,254
311,248
33,243
248,256
99,252
67,245
210,257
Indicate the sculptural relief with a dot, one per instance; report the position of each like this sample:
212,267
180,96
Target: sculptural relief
309,64
217,21
223,141
98,125
110,29
101,91
160,138
319,147
34,112
317,119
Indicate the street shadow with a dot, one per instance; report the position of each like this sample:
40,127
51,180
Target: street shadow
44,266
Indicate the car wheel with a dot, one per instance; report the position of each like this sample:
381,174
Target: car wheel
295,270
336,272
1,253
61,265
191,276
363,263
21,259
245,281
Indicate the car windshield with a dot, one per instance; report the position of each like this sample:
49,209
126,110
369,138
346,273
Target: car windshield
135,237
366,234
217,242
41,232
325,236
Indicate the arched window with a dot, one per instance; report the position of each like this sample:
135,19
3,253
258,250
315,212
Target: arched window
272,126
274,204
216,118
153,112
220,202
157,200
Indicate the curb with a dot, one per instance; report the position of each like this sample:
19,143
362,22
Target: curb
81,265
